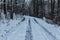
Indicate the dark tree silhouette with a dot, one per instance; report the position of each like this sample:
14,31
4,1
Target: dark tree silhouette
23,7
33,7
36,13
58,7
41,8
0,9
11,10
58,13
52,9
15,6
5,11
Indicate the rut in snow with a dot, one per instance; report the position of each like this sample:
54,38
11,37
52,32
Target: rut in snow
29,32
52,36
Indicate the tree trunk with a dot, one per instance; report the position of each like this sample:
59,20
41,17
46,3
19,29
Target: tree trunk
52,9
33,7
58,7
11,11
5,7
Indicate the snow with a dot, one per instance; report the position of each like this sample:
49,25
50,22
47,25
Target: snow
28,28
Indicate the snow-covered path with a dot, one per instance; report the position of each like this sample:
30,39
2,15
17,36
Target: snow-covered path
40,32
29,28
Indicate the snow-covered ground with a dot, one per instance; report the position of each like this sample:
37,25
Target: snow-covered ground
28,28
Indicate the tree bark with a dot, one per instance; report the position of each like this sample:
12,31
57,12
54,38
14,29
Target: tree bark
5,7
11,10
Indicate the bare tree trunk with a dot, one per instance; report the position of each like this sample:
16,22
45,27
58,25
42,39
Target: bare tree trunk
52,9
58,7
43,5
58,16
0,9
23,7
33,7
36,8
15,6
5,8
11,11
41,9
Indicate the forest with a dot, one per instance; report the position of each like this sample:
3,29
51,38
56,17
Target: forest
50,9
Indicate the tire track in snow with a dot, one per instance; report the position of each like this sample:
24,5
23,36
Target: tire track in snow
29,31
45,29
37,34
20,30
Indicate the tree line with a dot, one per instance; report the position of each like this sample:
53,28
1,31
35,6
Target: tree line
49,9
